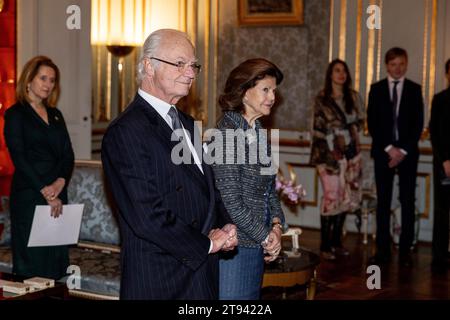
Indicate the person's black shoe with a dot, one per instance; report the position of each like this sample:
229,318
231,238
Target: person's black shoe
328,255
340,251
405,260
380,259
440,266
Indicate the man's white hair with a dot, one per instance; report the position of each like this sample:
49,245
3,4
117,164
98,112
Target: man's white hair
151,49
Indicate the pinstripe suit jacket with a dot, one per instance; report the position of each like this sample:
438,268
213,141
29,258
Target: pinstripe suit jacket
165,210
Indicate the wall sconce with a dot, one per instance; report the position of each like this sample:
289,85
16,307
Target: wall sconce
120,25
2,5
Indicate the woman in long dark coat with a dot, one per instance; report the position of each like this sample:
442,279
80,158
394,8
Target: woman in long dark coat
40,147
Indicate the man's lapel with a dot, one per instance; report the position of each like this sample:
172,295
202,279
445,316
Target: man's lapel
404,98
160,128
163,132
387,94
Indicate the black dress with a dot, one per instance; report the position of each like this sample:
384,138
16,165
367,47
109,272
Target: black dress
41,153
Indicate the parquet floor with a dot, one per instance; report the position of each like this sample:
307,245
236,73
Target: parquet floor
346,277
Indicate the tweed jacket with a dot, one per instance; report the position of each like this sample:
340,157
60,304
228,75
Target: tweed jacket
247,191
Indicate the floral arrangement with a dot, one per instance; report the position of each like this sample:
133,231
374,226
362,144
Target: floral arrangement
289,193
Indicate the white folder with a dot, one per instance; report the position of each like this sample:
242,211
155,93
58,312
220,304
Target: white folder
49,231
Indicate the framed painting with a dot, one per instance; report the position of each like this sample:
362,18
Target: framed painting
270,12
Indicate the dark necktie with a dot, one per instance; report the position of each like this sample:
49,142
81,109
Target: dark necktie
176,123
394,110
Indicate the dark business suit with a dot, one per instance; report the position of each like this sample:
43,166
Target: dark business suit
440,139
41,153
410,124
165,210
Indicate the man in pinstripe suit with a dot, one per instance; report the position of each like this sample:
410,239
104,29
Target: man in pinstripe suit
171,217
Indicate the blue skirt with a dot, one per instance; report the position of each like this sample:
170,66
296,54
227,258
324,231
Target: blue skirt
241,273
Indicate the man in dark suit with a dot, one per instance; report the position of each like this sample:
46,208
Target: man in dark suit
395,120
171,217
440,139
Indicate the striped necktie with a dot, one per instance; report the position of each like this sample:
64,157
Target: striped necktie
176,123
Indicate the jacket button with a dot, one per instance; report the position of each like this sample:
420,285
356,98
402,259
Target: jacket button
194,223
179,188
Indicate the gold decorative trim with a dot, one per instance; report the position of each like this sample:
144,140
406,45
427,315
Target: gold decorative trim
90,295
289,279
330,53
144,15
432,55
343,30
103,247
195,95
182,19
108,85
204,105
213,115
293,176
379,41
133,68
193,20
88,163
370,65
99,110
429,57
425,47
358,45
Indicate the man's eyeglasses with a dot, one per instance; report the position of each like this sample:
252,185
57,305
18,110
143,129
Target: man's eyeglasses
182,66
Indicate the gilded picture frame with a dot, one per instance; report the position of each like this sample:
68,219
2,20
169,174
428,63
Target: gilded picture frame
270,12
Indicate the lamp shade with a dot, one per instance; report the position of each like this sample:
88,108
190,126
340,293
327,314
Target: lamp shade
119,22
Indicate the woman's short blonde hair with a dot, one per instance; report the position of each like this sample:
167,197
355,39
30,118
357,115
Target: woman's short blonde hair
30,70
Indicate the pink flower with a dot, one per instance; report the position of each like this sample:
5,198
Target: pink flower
293,197
278,185
288,191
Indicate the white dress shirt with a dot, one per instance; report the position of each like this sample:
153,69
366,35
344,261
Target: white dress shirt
163,108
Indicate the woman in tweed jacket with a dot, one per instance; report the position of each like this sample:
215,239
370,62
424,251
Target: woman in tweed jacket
243,179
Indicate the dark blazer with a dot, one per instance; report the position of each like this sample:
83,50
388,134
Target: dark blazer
439,126
440,140
165,210
41,153
380,119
